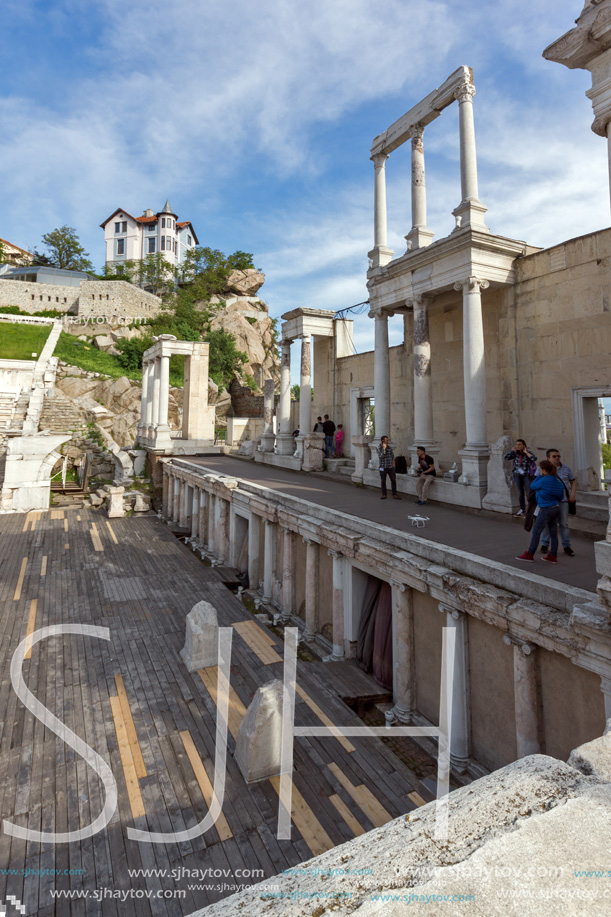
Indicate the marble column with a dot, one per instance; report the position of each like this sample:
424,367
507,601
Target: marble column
165,493
195,513
253,552
470,212
145,394
460,741
525,697
156,389
381,379
476,452
202,526
269,560
311,589
180,512
168,503
211,542
419,235
381,253
338,654
285,444
164,389
403,662
176,501
222,550
423,386
268,438
305,386
288,573
148,373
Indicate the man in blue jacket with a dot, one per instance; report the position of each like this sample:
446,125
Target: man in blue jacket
549,490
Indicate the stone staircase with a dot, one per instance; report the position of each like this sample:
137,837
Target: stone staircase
8,400
60,414
343,466
593,504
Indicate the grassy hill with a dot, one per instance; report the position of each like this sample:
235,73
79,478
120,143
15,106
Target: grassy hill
20,341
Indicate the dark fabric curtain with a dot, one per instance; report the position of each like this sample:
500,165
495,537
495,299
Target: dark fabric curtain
382,638
365,638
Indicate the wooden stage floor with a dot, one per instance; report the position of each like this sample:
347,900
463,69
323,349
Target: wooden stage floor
135,704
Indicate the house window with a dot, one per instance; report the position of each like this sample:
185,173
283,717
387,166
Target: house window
152,227
117,227
151,246
189,240
121,227
168,244
120,246
175,246
163,243
163,222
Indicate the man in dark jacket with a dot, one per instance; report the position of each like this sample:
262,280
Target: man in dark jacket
328,428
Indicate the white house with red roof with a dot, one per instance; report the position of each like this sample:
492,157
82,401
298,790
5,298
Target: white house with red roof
131,238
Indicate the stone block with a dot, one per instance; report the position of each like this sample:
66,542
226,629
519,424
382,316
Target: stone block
201,638
115,502
142,503
312,451
594,758
259,743
501,496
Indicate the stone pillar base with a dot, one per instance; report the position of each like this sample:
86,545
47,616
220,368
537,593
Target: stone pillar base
299,445
313,456
418,237
380,255
470,215
267,442
474,465
285,444
458,764
398,715
362,456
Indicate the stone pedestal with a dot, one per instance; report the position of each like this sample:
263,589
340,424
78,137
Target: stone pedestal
259,743
474,466
501,496
313,452
285,444
115,502
201,638
362,455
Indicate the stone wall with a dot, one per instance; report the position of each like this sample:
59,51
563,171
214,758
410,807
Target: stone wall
34,297
245,402
114,300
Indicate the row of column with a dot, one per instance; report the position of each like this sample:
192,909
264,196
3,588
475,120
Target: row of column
474,371
155,392
211,519
470,211
285,444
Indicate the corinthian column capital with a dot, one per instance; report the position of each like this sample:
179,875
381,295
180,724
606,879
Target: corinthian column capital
465,93
472,284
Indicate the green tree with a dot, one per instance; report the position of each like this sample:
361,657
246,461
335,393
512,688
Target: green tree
64,250
225,358
204,271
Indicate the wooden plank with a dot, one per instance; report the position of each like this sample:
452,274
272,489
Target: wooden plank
322,716
237,709
19,586
65,524
221,825
129,770
30,630
132,735
95,537
43,566
111,532
364,798
416,798
306,822
249,632
57,514
346,814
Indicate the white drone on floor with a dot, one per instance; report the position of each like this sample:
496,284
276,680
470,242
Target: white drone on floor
419,521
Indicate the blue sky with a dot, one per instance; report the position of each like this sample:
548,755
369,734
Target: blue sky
255,119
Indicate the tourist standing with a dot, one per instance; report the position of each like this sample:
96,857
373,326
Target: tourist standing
318,425
339,437
524,466
569,482
549,490
328,428
386,464
426,475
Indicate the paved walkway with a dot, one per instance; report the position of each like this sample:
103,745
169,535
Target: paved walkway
133,701
499,538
